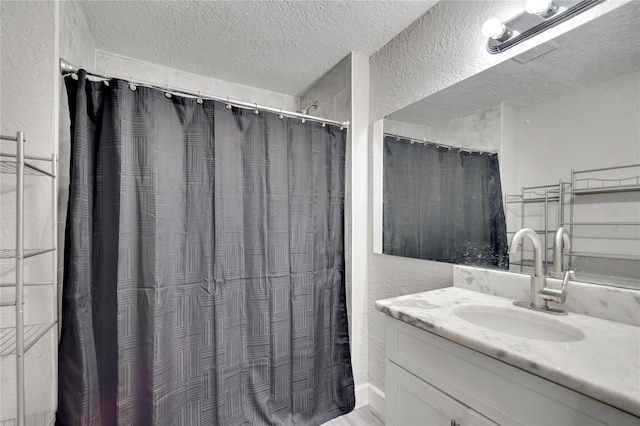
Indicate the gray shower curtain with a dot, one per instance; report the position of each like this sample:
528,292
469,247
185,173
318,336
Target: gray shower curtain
443,204
204,265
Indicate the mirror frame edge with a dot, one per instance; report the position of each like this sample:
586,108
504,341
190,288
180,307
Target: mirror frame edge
377,135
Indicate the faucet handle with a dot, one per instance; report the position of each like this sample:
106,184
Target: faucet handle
568,275
555,295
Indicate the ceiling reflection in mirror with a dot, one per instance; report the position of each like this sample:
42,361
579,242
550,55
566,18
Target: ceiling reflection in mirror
563,120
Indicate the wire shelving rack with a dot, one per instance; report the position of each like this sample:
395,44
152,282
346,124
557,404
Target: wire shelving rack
17,340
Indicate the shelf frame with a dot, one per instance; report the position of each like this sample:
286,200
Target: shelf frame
32,334
611,256
604,188
16,341
27,284
542,194
27,253
9,168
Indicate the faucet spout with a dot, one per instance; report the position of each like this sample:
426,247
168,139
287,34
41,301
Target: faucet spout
562,236
537,247
538,279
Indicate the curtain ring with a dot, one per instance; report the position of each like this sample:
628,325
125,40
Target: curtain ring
280,116
228,105
132,86
323,123
255,111
199,98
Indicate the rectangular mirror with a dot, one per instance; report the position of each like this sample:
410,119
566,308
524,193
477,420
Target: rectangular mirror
548,139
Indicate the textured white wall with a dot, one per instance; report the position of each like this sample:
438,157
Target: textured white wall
443,47
28,103
478,131
113,63
358,240
509,150
77,46
333,93
408,130
587,129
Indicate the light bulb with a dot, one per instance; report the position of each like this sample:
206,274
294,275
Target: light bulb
543,8
495,29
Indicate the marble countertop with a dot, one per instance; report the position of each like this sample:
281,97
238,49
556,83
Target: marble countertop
605,365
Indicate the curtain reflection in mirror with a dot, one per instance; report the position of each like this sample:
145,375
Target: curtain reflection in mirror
443,204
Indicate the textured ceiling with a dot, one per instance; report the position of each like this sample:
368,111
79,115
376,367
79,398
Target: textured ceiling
597,51
284,46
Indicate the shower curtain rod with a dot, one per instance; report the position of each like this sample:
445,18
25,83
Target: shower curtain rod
68,68
439,145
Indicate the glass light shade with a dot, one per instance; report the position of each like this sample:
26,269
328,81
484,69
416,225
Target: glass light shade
543,8
493,28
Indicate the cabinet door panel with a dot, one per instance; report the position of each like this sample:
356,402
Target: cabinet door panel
503,393
477,419
413,402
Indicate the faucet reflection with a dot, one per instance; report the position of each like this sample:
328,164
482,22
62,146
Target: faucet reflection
562,236
538,280
540,294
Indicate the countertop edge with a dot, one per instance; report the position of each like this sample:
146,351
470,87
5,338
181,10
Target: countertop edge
620,401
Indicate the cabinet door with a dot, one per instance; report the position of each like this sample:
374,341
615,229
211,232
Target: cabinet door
412,402
477,419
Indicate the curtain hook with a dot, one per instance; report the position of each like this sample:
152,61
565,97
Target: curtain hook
132,86
106,80
199,98
280,116
323,123
255,111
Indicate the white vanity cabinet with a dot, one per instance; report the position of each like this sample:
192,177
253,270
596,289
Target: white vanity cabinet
411,401
432,381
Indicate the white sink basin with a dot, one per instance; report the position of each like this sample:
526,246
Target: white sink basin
519,322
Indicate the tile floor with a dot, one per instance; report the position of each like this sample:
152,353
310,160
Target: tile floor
365,416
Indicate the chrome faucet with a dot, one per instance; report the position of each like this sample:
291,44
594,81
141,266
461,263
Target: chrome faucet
558,296
562,236
541,295
538,280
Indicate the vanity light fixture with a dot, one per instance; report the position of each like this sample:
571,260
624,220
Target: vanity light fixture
543,8
496,30
539,16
